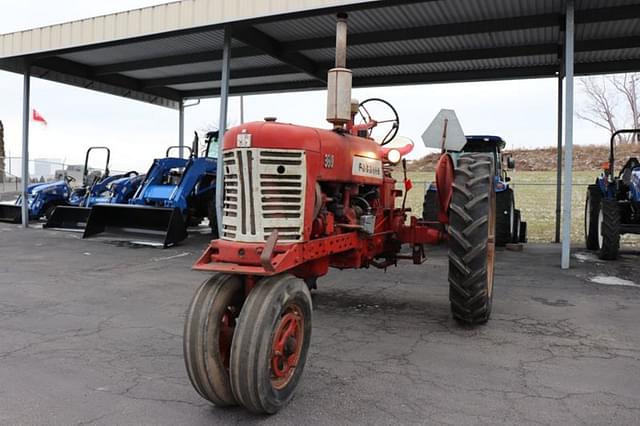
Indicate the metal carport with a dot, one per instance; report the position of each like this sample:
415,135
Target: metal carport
208,48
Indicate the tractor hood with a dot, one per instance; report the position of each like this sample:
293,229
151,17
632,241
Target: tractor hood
271,134
47,186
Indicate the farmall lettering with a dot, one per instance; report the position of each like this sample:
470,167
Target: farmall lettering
369,167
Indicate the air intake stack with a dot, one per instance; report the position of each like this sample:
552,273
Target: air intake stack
339,79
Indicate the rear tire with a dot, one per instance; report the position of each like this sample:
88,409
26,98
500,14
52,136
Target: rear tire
505,217
609,230
472,229
430,206
208,333
591,215
270,343
523,232
515,234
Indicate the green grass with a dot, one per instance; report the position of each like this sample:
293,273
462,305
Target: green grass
535,195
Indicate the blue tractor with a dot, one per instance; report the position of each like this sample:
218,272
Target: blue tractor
44,198
509,226
613,204
176,193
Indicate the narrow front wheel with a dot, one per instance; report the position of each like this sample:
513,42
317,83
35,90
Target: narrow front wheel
270,343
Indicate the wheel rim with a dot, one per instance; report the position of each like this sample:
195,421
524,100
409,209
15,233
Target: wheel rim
287,346
600,220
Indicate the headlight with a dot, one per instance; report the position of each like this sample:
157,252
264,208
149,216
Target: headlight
394,156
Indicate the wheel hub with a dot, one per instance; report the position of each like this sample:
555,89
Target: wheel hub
286,347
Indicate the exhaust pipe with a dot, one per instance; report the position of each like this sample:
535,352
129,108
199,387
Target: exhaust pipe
339,80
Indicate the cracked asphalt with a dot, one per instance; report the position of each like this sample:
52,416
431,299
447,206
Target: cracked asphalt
91,333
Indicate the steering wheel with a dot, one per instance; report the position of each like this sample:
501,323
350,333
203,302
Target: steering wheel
391,121
70,179
132,173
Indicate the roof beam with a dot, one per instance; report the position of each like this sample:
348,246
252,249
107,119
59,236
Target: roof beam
216,76
167,61
469,28
273,48
66,66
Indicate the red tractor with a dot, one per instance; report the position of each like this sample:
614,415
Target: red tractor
299,200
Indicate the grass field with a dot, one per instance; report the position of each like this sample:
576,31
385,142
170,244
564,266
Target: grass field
535,195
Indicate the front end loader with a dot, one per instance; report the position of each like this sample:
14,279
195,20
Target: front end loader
176,193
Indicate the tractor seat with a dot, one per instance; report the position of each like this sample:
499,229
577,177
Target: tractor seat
625,174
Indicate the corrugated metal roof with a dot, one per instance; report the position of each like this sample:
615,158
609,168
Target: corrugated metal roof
173,51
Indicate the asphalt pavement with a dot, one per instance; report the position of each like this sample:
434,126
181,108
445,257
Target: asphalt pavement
91,333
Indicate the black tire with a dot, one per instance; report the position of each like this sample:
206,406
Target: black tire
591,215
472,239
515,234
609,230
523,232
505,217
254,380
210,321
430,206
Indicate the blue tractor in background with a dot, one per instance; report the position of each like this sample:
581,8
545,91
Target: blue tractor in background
44,198
612,207
176,193
509,225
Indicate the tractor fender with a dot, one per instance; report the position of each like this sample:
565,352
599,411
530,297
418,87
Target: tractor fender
445,171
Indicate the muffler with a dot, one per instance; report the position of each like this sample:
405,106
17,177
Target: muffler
143,224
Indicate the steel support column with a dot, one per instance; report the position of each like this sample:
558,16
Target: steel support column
568,135
181,128
222,123
559,163
26,97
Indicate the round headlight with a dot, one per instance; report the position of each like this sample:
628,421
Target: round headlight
394,156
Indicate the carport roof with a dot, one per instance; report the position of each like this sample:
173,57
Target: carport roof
166,53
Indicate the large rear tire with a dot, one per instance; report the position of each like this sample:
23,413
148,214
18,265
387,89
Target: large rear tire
591,217
270,344
505,217
609,222
472,228
208,334
430,206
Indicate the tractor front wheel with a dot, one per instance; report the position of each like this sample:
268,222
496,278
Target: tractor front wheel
208,335
430,206
270,344
591,217
472,230
609,230
505,217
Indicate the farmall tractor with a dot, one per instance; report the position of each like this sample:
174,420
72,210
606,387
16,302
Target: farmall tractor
299,200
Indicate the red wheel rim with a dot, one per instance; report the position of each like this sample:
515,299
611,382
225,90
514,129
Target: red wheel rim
286,346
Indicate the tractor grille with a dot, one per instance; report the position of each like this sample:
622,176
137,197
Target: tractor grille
264,190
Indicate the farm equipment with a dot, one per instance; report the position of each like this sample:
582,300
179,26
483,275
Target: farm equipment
612,207
299,200
509,225
175,193
116,189
44,198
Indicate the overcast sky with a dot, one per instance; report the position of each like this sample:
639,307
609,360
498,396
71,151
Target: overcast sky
523,112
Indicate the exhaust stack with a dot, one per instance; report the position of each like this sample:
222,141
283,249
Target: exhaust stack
339,79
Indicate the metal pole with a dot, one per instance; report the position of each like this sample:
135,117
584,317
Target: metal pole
241,109
222,122
568,137
559,163
181,129
26,94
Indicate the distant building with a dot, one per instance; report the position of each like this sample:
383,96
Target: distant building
45,167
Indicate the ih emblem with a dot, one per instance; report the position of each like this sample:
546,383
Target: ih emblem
328,161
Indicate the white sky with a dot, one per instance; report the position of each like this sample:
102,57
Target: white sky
523,111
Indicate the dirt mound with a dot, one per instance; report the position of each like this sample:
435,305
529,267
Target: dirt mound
585,157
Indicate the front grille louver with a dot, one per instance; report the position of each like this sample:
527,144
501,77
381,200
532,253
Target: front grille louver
264,190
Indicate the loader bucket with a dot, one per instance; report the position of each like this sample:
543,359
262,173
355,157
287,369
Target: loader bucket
138,223
10,213
69,218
